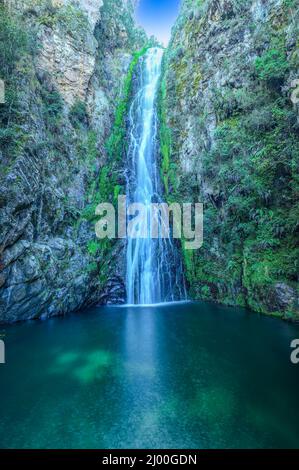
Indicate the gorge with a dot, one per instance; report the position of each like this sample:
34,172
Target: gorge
63,147
160,345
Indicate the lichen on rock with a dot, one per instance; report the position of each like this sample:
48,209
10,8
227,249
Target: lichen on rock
234,146
64,75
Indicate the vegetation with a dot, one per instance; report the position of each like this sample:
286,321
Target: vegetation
115,144
68,17
168,167
272,66
78,114
165,137
251,207
251,170
108,186
15,46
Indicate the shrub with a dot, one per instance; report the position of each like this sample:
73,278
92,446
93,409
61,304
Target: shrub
15,68
78,114
272,66
115,143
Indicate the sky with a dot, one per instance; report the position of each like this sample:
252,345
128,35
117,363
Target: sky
157,17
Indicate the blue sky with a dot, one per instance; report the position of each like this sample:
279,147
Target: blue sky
157,17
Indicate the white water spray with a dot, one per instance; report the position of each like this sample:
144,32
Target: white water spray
154,269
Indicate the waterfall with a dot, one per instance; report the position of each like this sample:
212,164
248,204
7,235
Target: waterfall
154,267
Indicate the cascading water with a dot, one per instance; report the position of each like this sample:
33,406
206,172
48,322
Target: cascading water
154,267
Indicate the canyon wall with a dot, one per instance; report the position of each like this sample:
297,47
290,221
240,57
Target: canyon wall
229,118
64,64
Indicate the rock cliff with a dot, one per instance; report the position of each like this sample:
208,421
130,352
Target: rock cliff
229,120
229,138
64,64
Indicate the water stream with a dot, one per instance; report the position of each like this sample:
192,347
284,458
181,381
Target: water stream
154,268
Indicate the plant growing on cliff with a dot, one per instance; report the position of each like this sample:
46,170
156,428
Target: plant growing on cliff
78,114
107,187
52,106
115,143
168,167
15,46
165,137
69,17
272,66
245,154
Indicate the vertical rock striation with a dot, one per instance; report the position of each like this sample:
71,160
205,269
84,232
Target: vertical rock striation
64,63
229,138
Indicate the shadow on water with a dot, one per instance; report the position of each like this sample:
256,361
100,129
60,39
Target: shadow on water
184,375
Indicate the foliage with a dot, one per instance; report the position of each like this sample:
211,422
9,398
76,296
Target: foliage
87,149
115,143
168,167
249,175
165,138
108,187
69,17
73,19
272,65
52,107
78,114
15,46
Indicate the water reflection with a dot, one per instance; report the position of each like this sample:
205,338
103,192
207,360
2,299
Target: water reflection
178,376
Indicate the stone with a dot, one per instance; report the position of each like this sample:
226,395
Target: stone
46,186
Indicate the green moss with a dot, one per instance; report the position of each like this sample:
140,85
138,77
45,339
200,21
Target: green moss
165,138
16,48
188,258
251,215
78,114
115,144
52,108
272,65
69,17
92,267
93,247
106,188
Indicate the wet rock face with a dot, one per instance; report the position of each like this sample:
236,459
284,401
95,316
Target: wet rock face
229,69
70,83
34,272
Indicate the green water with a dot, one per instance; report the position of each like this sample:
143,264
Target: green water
192,375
